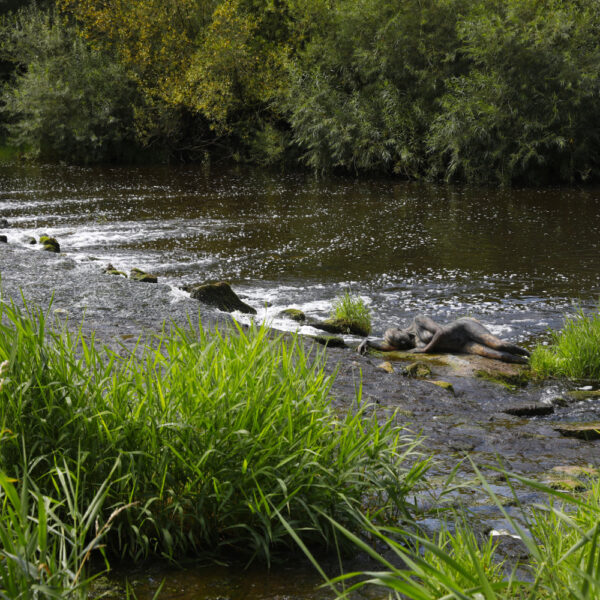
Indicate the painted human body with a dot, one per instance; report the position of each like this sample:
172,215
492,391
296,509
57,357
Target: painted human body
466,336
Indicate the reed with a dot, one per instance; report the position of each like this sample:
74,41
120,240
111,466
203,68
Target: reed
574,351
207,437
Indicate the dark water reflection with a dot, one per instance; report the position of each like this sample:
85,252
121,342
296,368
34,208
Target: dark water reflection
518,259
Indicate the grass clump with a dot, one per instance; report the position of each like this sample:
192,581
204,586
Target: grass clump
206,437
574,351
351,314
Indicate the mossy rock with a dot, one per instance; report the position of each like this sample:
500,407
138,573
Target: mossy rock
445,385
418,369
116,272
3,239
221,296
583,431
110,270
386,366
509,380
139,275
294,314
49,244
29,239
331,341
582,394
341,326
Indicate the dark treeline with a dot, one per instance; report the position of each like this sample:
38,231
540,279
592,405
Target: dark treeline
497,91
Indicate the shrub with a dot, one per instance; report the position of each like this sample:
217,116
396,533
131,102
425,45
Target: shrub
212,435
574,352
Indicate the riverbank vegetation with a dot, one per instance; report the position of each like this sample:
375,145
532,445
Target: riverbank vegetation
557,540
351,312
194,445
574,351
477,91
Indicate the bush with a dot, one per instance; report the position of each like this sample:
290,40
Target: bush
574,352
212,436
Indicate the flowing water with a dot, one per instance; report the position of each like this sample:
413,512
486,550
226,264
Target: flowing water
516,259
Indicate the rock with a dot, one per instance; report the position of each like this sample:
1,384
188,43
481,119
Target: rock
575,471
3,239
418,369
29,239
510,378
110,270
583,431
445,385
4,224
529,410
221,296
559,401
331,341
49,244
139,275
386,366
294,314
582,394
340,326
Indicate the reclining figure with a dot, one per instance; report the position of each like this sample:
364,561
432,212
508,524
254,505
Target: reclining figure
466,336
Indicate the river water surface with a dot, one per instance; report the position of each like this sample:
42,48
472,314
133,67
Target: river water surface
517,259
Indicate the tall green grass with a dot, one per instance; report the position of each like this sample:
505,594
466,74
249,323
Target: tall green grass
208,437
574,351
352,311
561,537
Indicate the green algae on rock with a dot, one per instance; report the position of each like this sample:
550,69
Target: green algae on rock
139,275
418,369
49,244
295,314
445,385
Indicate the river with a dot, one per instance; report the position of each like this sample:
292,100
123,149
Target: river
517,259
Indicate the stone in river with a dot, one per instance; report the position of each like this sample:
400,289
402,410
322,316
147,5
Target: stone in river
221,296
3,239
4,224
139,275
582,431
49,244
529,410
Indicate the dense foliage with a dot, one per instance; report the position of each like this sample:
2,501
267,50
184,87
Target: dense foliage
502,91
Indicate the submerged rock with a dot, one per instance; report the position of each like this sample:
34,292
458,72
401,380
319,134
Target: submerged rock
4,224
386,366
3,239
445,385
583,431
417,369
221,296
110,270
139,275
49,244
294,314
582,394
29,239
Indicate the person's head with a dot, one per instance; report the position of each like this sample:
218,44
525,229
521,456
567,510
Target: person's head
400,339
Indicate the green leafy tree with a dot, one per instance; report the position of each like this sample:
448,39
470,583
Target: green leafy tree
528,108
